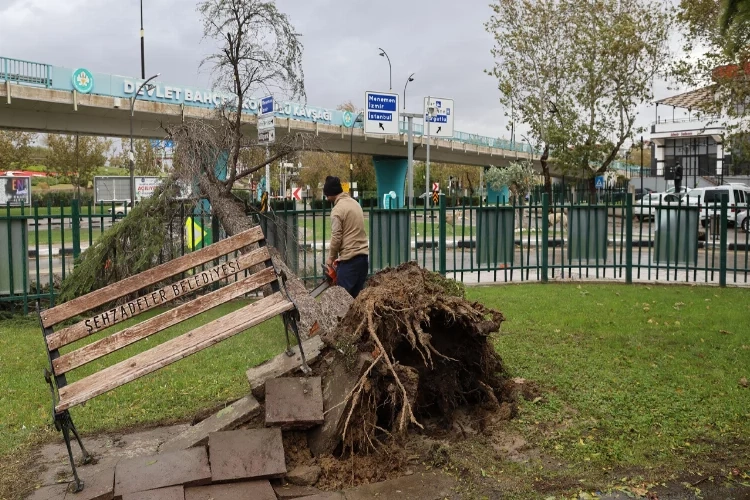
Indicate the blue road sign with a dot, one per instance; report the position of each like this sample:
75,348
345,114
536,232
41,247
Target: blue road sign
266,105
599,182
382,113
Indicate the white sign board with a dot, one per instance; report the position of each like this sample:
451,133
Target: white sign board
267,136
441,123
145,187
15,190
381,113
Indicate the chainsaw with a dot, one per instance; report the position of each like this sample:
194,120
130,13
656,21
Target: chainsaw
329,279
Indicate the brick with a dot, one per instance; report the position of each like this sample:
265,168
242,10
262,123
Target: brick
170,493
188,467
294,403
96,486
424,486
290,491
228,418
247,490
53,492
282,364
247,454
337,384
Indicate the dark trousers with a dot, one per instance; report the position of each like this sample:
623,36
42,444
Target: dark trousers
351,274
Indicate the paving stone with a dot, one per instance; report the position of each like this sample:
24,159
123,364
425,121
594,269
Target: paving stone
290,491
170,493
337,384
188,467
294,403
333,495
304,475
282,364
53,492
96,486
420,486
247,454
246,490
228,418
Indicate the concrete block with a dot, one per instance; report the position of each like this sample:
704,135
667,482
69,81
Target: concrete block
228,418
291,491
246,490
424,486
186,467
97,486
338,382
304,475
170,493
247,454
282,364
294,403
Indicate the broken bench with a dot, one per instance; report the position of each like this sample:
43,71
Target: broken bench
150,291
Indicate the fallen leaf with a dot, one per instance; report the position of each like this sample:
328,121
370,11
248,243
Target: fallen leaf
676,323
743,382
639,491
557,331
650,320
725,332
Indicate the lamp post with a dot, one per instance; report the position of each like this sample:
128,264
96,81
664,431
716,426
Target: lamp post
410,79
383,53
143,48
131,155
641,165
358,119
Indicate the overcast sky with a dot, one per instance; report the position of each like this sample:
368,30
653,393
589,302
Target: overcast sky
446,46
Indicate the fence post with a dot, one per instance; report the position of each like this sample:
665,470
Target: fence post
629,238
442,235
75,214
545,237
723,241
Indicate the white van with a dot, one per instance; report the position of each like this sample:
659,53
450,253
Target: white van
709,199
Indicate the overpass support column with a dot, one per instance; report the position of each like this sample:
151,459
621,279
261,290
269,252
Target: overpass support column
390,175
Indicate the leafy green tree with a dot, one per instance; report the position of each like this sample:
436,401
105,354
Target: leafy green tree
15,149
76,158
575,72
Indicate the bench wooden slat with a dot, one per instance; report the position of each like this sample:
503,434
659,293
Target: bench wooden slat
72,308
160,297
173,350
146,328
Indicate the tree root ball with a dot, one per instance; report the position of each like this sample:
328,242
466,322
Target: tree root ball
430,352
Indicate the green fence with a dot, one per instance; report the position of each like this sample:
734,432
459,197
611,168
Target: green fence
474,243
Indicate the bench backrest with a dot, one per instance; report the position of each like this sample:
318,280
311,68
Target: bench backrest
171,350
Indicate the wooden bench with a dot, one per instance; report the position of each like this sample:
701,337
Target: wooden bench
233,271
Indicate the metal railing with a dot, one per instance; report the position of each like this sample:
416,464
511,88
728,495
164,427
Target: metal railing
25,72
609,237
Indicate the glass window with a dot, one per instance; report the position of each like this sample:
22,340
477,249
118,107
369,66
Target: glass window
714,195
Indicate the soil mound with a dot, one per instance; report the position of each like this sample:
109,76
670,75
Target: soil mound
430,352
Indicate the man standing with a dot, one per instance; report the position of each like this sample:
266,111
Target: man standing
349,244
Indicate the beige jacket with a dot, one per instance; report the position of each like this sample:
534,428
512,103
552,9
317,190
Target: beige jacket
348,237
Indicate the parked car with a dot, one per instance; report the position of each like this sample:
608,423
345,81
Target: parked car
121,208
743,220
709,199
640,193
646,206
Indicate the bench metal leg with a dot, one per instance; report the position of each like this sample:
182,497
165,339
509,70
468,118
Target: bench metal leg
64,423
289,351
290,322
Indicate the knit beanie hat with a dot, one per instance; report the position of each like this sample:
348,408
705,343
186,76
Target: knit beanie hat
332,186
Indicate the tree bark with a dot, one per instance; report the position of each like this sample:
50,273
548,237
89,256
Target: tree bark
545,172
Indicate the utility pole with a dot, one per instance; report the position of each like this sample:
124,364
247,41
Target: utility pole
131,154
410,153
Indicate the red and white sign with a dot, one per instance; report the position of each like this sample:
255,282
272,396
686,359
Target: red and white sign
436,186
296,193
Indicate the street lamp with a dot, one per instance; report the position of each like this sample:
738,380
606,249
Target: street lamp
358,119
390,71
131,155
143,47
410,79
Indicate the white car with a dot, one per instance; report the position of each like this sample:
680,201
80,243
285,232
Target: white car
645,208
120,209
743,221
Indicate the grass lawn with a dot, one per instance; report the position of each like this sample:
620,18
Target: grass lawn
633,375
634,378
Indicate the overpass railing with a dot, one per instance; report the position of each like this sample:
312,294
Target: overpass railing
25,72
536,240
